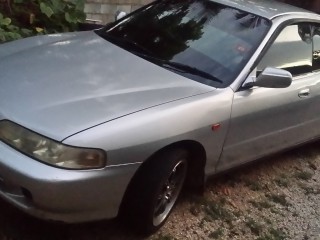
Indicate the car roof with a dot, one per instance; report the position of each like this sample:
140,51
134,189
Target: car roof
266,8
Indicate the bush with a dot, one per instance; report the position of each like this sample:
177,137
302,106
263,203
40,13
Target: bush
22,18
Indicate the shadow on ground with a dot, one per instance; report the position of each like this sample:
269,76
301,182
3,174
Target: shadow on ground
16,225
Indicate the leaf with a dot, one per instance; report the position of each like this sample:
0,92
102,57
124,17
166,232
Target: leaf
77,4
30,17
45,9
75,17
12,28
81,16
5,21
39,30
12,36
26,32
58,5
80,5
2,37
70,18
67,17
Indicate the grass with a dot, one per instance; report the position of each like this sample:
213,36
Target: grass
280,199
253,185
202,222
309,190
276,211
163,237
282,181
197,202
216,234
223,200
273,234
237,213
255,227
195,210
216,211
312,165
261,204
267,220
304,175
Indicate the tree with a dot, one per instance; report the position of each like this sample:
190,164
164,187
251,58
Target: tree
22,18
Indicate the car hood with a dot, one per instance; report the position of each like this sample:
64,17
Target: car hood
61,84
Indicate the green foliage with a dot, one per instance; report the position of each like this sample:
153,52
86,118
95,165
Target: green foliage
255,227
22,18
304,175
216,234
261,204
280,199
273,234
216,211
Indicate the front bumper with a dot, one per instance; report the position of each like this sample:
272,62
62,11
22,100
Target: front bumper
62,195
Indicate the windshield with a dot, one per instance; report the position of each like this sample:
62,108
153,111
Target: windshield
201,40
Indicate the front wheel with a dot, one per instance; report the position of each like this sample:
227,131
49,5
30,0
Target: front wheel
155,190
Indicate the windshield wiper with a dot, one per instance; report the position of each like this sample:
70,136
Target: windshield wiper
189,69
180,67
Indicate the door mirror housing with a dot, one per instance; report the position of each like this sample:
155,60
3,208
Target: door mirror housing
119,15
271,78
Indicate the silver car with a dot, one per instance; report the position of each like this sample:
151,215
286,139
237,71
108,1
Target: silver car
117,121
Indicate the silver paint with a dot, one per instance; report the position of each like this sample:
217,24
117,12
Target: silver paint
80,81
79,89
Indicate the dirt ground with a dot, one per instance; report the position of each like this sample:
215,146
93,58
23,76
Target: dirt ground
277,198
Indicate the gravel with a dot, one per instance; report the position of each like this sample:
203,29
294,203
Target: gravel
274,199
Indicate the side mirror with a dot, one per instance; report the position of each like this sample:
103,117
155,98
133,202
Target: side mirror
272,78
119,15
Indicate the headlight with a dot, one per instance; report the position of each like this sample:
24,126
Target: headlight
50,151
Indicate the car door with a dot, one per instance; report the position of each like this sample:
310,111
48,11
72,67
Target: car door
266,120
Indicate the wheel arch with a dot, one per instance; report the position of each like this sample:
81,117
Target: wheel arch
195,179
196,161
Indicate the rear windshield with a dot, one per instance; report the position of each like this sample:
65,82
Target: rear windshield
201,40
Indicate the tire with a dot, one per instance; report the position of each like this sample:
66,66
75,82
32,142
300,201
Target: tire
154,191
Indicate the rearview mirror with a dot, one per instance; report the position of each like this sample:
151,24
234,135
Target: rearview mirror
273,78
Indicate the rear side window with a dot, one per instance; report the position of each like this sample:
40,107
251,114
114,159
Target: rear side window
292,50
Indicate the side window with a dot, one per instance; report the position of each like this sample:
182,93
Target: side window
316,48
291,51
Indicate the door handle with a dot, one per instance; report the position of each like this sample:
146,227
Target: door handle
304,93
